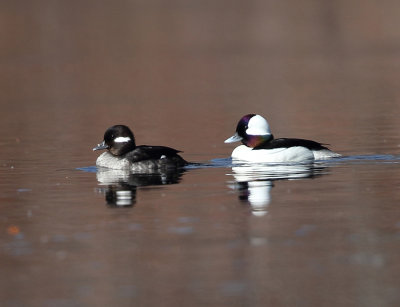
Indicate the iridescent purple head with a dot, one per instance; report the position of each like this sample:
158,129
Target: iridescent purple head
252,130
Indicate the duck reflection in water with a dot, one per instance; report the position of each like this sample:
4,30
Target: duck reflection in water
121,185
254,181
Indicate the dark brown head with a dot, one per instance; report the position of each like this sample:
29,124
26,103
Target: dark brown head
118,140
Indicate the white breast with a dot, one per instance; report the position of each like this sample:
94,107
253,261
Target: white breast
282,155
108,160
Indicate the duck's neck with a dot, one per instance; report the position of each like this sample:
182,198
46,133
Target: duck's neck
256,140
122,149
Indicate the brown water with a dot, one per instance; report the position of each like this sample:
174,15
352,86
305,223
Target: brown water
181,73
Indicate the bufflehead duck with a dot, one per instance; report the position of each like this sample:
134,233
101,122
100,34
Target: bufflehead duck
259,145
122,153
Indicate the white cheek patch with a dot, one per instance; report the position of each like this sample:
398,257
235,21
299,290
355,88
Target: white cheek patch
122,139
258,126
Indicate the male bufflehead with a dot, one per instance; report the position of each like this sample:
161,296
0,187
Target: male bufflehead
259,145
122,153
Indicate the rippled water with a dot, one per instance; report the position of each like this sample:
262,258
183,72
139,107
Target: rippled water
181,75
220,234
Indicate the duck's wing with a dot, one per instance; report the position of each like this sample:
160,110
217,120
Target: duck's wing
145,152
288,142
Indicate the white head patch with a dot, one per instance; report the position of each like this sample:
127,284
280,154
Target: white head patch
122,139
258,126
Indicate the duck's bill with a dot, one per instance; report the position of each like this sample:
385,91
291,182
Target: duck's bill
101,146
233,138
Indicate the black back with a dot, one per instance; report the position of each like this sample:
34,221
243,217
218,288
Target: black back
144,152
287,142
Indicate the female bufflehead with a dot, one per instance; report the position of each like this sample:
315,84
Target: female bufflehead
122,153
259,145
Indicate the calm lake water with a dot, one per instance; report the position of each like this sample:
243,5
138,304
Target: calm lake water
182,74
